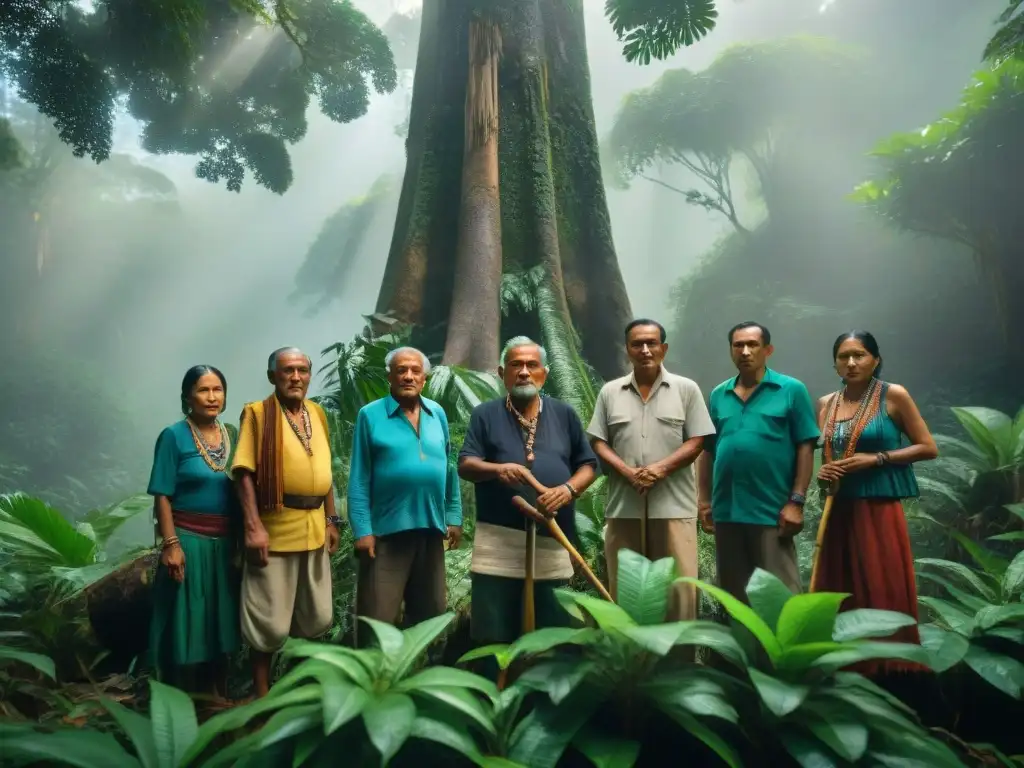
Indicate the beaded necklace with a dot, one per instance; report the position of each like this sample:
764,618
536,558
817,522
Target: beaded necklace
530,425
215,458
867,408
306,433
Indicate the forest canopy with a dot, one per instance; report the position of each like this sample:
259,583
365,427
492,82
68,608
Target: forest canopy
228,81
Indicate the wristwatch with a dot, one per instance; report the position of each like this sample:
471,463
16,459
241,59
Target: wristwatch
572,491
797,498
334,520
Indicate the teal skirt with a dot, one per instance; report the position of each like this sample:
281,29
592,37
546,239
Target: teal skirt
198,620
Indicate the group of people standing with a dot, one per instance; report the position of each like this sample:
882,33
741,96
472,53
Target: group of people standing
739,467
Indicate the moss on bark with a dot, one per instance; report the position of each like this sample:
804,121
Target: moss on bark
553,207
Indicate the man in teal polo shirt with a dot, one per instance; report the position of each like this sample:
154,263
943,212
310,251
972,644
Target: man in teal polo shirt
403,497
755,470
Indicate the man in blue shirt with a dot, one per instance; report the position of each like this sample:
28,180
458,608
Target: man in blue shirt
403,497
506,438
754,472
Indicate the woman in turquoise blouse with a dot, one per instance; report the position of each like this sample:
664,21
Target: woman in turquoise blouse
872,433
195,592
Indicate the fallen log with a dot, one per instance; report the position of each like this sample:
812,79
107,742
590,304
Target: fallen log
120,606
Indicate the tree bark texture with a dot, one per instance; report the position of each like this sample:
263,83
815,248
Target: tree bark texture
551,200
474,323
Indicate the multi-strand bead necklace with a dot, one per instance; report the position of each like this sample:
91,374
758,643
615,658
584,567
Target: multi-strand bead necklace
216,458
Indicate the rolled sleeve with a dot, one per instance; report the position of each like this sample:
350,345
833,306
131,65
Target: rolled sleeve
245,448
452,491
698,420
359,480
598,428
803,422
164,475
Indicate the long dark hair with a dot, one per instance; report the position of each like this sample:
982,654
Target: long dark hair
867,339
194,374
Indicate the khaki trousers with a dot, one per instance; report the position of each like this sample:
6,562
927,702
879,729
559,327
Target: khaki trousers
290,596
740,548
665,538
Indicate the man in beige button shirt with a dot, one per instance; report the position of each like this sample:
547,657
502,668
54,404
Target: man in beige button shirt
648,429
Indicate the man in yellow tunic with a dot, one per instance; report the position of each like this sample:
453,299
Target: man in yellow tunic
282,467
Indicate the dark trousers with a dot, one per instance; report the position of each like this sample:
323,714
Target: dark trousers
740,548
409,568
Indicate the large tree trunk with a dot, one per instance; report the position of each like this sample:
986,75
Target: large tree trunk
552,204
474,324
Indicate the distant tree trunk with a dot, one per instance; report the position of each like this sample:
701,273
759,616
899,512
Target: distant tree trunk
474,323
550,198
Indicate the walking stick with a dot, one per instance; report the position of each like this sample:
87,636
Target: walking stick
529,603
826,512
643,529
556,532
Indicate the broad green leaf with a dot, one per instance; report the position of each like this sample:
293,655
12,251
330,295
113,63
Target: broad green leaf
798,658
643,588
542,736
807,752
389,639
654,638
237,717
990,430
341,703
1013,578
778,696
448,677
809,618
874,705
606,751
767,595
946,648
489,761
1011,536
416,640
715,742
565,599
1013,634
1016,509
870,650
993,615
345,660
283,725
305,745
389,720
692,690
714,637
498,650
174,723
138,730
462,701
864,623
993,564
898,746
953,617
607,615
839,727
457,739
964,573
1004,672
73,747
968,603
744,615
37,661
557,678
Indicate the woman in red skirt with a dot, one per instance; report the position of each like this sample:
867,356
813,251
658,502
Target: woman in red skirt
872,433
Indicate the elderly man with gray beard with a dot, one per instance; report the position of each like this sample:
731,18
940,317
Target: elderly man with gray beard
403,497
506,441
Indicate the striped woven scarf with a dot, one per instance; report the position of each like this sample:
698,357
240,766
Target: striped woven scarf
270,465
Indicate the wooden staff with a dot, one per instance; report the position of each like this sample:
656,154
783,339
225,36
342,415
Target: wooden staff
820,538
556,532
643,529
529,603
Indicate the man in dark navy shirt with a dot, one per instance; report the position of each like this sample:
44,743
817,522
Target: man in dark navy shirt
507,440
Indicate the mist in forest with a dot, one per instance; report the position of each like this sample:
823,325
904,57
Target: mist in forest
133,295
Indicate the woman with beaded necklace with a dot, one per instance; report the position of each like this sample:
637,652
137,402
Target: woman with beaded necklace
195,622
872,432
